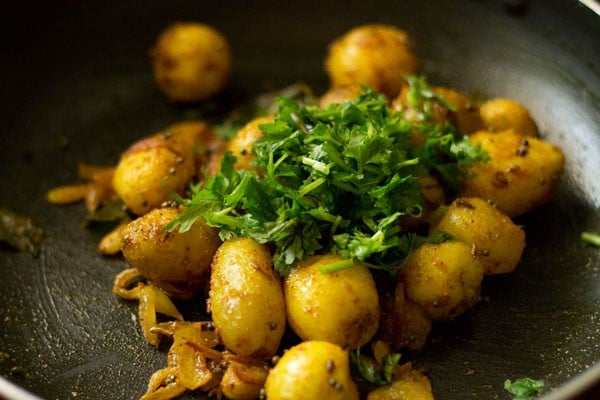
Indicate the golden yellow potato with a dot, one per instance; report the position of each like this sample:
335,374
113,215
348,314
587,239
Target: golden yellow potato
241,144
166,158
466,117
434,196
176,262
246,298
374,55
312,370
403,390
339,94
191,62
502,114
522,172
444,279
495,239
318,304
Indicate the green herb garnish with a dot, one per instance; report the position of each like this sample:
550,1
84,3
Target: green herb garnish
334,179
592,238
523,388
366,370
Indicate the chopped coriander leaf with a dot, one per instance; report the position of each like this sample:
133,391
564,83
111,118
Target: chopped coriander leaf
592,238
334,179
367,370
523,388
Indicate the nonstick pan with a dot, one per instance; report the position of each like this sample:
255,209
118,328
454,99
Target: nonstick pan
77,87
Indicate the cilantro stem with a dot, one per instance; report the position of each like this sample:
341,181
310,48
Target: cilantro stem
304,190
592,238
336,266
316,165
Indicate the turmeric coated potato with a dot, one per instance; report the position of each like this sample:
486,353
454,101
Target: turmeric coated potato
522,172
177,262
444,279
243,382
373,55
339,94
495,240
162,161
403,390
341,307
465,115
241,144
312,370
502,114
246,298
191,62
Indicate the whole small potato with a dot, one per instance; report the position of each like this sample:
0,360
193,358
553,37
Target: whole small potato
444,279
522,172
241,144
339,94
465,116
502,114
312,370
340,307
246,298
191,62
495,239
176,262
162,161
374,55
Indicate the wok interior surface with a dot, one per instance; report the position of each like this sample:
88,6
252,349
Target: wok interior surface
77,87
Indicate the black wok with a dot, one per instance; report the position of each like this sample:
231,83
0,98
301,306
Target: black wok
77,86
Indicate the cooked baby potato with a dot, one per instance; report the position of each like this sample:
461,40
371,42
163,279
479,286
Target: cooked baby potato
466,115
241,144
444,279
154,166
374,55
191,62
318,303
312,370
177,262
246,298
339,94
403,390
502,114
495,239
522,172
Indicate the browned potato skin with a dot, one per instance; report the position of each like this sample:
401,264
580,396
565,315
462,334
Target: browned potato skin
494,239
241,144
312,370
318,303
166,158
444,279
246,299
243,382
521,175
374,55
501,114
170,259
191,62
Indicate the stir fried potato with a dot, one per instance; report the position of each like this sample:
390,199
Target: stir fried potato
521,174
373,55
317,302
494,239
159,164
177,262
191,62
443,278
312,370
504,114
246,299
